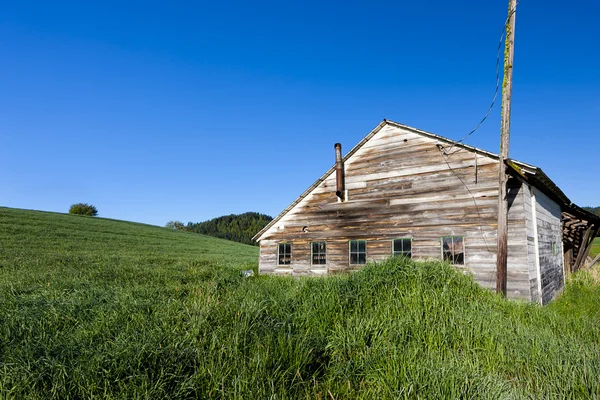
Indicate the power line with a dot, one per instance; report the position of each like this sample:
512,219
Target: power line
496,91
485,242
446,152
472,197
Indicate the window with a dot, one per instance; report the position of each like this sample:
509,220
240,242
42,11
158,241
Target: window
319,253
284,253
453,249
402,247
358,252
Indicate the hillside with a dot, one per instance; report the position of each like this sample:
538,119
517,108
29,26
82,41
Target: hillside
109,309
42,239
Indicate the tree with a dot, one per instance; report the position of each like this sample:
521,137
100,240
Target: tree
83,209
175,225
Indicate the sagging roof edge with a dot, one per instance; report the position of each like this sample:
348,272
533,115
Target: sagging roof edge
540,180
552,191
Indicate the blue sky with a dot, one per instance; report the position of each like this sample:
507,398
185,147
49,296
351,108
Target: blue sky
158,111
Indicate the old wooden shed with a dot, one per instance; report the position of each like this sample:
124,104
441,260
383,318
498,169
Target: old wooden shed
403,191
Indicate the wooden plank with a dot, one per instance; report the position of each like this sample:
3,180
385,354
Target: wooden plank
593,262
582,251
568,261
589,245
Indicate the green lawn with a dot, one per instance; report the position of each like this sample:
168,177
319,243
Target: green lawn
108,309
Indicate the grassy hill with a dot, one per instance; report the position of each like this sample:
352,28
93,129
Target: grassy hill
109,309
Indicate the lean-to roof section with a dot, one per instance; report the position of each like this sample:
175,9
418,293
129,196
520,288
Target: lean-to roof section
536,177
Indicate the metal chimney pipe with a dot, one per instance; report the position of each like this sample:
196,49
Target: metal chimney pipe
339,172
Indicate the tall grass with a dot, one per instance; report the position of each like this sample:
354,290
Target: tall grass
143,312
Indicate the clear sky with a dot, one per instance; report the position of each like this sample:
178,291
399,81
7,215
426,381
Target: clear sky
157,111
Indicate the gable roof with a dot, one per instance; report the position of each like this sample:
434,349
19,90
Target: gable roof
530,173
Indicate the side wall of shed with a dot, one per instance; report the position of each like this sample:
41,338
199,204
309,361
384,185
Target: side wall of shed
518,284
549,245
531,240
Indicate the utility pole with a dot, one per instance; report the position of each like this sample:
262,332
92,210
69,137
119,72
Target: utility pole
509,52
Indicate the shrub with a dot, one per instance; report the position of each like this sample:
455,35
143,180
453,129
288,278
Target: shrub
83,209
175,225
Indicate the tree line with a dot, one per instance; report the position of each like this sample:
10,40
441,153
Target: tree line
237,227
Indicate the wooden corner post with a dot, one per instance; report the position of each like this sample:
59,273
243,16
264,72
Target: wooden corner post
502,250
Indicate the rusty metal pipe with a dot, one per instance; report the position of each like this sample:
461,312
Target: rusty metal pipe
339,172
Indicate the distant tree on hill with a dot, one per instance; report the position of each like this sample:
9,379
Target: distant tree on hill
175,225
83,209
237,227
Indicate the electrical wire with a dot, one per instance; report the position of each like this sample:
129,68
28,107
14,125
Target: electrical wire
487,246
446,153
497,89
472,197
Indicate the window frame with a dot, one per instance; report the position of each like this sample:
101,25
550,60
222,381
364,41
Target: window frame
312,253
464,253
403,253
279,253
358,253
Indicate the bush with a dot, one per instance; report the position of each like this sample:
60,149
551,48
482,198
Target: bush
175,225
83,209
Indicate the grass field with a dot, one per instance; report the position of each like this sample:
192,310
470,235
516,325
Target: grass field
108,309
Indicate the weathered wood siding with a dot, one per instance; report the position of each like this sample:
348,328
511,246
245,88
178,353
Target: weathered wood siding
549,245
531,238
518,284
400,185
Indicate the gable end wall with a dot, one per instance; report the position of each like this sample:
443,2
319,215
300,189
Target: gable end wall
401,186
